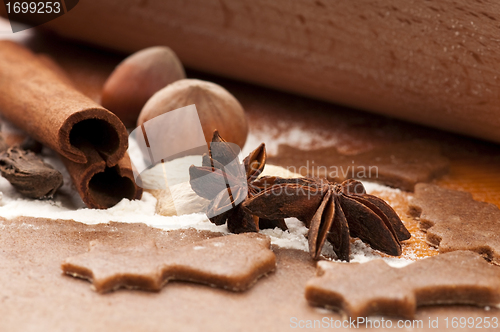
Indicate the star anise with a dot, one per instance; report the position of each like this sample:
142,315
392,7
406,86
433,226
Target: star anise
331,212
227,183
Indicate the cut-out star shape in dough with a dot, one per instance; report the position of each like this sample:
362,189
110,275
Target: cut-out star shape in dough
232,262
453,220
375,288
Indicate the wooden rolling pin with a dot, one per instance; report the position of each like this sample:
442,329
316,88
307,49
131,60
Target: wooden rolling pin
434,62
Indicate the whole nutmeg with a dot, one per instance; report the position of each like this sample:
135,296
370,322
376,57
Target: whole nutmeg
137,78
216,107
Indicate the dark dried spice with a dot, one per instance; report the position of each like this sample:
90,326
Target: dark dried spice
223,166
332,212
29,174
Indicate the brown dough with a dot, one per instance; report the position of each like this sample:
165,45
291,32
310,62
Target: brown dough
233,262
375,288
453,220
399,165
33,286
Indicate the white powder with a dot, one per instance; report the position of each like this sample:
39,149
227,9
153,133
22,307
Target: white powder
376,187
293,238
362,253
68,205
271,170
285,134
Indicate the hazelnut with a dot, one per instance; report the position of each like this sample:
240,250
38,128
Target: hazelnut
216,107
137,78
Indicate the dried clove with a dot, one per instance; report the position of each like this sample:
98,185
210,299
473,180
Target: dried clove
29,174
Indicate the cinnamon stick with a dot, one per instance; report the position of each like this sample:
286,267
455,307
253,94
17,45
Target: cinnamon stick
36,99
100,186
91,140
